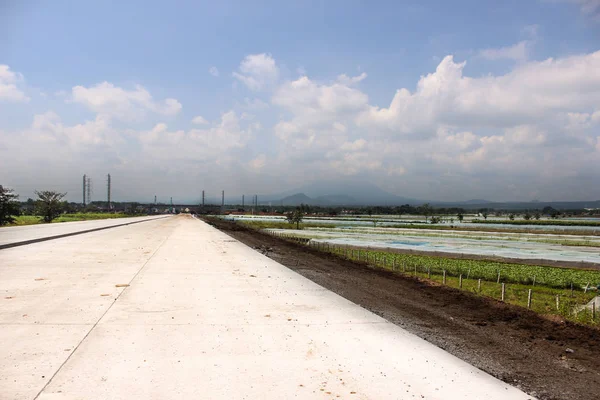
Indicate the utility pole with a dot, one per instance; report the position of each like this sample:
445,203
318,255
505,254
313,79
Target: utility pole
154,199
203,199
171,205
108,194
242,202
84,183
222,201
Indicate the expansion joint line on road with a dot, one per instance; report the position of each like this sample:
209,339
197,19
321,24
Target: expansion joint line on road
100,319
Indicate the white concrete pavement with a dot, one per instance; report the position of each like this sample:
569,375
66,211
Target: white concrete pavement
204,317
15,234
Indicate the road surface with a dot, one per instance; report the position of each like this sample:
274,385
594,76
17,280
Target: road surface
10,235
175,309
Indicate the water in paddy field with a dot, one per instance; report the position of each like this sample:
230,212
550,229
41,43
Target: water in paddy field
350,222
407,242
524,246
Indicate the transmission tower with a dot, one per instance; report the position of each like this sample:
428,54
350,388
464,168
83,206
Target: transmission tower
89,190
84,184
108,192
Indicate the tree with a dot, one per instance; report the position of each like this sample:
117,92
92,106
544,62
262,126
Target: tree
295,217
460,216
537,215
511,216
527,216
425,210
9,206
49,204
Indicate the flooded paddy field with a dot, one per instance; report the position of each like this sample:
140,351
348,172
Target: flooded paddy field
557,247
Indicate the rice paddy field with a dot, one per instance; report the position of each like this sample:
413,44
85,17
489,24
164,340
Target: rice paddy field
480,259
490,241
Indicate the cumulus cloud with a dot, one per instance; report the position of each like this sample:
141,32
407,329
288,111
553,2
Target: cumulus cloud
524,95
113,101
517,52
258,163
537,120
213,71
257,71
199,120
8,85
214,141
531,130
347,80
588,7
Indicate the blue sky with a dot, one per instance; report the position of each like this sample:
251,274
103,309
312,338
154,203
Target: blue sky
297,91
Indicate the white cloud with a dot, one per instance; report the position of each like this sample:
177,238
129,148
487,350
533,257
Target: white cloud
589,7
255,104
346,80
517,52
113,101
526,94
213,71
199,120
306,97
537,120
214,141
258,163
258,71
356,145
531,130
8,85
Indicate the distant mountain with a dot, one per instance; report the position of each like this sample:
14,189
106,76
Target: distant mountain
477,201
345,192
336,199
295,200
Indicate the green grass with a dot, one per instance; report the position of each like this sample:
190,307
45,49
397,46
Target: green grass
26,220
488,270
32,219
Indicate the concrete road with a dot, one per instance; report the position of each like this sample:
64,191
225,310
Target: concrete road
16,234
203,317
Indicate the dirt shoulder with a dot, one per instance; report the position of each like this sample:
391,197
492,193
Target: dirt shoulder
548,359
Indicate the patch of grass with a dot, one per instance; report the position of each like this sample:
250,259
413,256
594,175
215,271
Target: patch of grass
90,216
26,220
32,219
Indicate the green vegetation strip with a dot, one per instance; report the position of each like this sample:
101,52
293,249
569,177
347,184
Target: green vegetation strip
32,220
